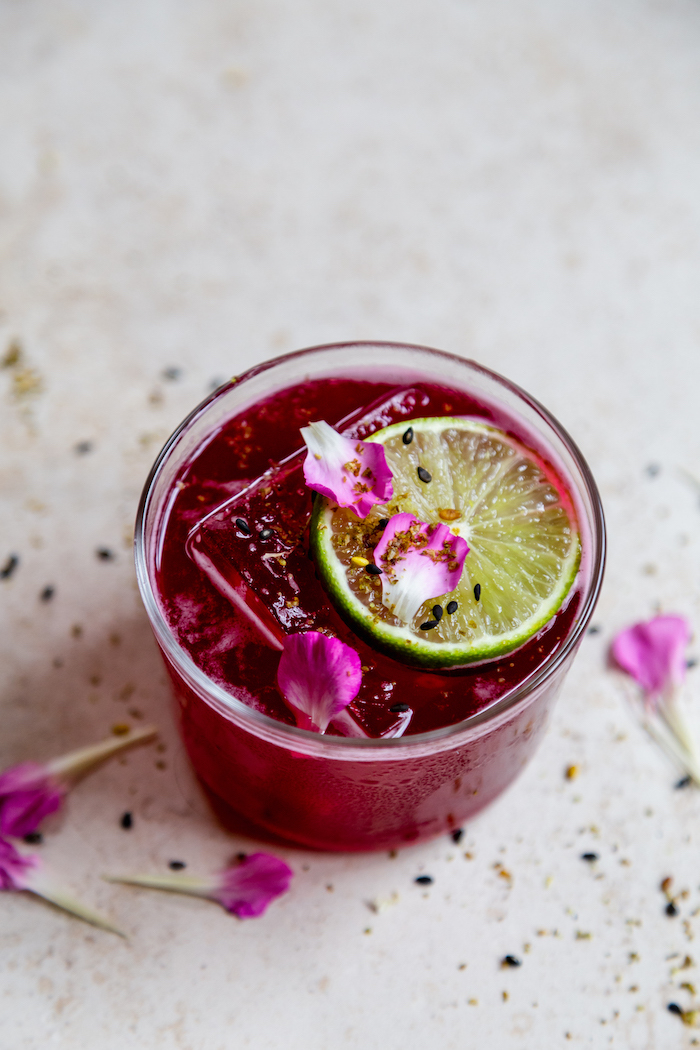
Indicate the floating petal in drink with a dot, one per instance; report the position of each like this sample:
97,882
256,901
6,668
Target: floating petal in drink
418,562
318,677
353,473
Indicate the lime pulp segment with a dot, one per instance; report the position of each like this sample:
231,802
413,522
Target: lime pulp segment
508,505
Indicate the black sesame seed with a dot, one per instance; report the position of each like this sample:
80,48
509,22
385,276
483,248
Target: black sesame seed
424,475
171,373
428,625
47,594
692,662
590,857
457,835
595,629
382,524
477,591
177,865
674,1008
265,534
127,821
452,607
33,838
510,960
408,436
9,567
243,526
684,782
104,554
424,880
82,448
398,709
671,909
437,612
373,570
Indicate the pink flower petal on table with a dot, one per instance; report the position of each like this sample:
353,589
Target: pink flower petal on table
31,791
28,793
318,677
653,653
248,888
14,867
353,473
418,562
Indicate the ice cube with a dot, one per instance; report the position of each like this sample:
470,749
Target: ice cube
251,547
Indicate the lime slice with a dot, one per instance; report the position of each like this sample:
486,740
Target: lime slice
505,501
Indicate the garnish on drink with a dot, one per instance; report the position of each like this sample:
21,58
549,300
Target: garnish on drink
514,546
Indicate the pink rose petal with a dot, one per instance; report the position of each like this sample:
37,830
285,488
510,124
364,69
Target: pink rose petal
318,677
28,793
653,653
249,887
353,473
418,562
14,867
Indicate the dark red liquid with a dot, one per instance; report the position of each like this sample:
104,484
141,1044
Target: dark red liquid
229,648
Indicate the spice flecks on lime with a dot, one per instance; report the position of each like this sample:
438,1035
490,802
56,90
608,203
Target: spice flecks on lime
494,492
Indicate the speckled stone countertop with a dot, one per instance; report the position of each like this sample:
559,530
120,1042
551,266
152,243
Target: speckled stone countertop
186,189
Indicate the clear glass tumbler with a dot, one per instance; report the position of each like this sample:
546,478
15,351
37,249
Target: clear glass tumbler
338,793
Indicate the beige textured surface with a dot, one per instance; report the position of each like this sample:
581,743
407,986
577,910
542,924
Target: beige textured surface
201,186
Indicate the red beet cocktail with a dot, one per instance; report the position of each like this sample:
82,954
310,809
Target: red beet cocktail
225,572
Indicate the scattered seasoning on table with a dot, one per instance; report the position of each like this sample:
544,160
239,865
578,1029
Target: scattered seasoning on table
428,625
477,591
452,607
571,772
590,857
671,910
424,475
243,526
437,612
177,865
594,629
684,782
424,880
172,373
398,709
9,567
457,835
510,960
33,838
373,570
13,354
47,593
652,470
127,821
691,663
674,1008
104,554
408,436
81,448
265,534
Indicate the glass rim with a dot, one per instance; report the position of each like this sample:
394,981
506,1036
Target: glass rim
303,739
